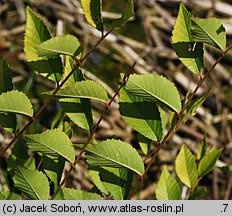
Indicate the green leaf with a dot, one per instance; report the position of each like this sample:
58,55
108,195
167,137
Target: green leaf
9,196
15,102
52,143
155,88
93,13
66,45
79,111
72,194
36,33
114,153
7,120
95,177
50,68
209,31
202,149
127,13
85,89
208,161
197,103
113,181
190,54
5,77
186,167
167,187
182,27
33,184
145,117
53,168
198,193
226,169
144,143
77,74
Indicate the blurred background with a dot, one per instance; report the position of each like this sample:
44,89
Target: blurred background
145,39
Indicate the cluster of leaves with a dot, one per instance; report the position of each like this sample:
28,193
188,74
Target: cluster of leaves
189,35
188,173
150,97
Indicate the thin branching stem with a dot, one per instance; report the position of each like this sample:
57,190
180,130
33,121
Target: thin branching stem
178,121
33,118
107,106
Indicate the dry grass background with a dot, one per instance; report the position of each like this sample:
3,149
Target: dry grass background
146,39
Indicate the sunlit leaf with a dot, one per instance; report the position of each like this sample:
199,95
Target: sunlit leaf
209,31
190,53
66,45
15,102
36,33
155,88
208,161
52,143
186,167
33,184
73,194
93,13
85,89
167,187
114,153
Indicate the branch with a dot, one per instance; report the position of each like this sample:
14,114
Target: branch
107,106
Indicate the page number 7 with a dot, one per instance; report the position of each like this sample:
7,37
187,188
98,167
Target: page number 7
225,206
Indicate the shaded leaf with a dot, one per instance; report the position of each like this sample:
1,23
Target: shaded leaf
127,13
190,54
202,149
209,31
113,181
53,168
7,120
194,104
5,77
186,167
33,184
15,102
208,161
85,89
72,194
79,111
167,187
93,13
114,153
155,88
66,45
52,143
145,117
226,169
199,192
